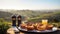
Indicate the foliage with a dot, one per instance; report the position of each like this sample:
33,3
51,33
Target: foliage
3,26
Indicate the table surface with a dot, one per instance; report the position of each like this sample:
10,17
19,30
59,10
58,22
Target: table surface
11,31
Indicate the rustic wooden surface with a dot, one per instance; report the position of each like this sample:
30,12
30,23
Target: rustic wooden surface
11,31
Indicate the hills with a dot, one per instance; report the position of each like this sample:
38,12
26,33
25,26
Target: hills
32,14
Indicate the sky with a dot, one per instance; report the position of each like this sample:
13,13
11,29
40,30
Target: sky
30,4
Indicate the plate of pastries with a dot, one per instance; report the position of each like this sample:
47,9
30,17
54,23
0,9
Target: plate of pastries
37,27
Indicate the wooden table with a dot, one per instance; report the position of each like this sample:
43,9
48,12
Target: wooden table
10,31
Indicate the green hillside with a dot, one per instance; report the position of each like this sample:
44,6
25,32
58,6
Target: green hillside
5,15
53,16
34,15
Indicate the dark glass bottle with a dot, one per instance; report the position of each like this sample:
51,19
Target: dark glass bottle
13,20
19,20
